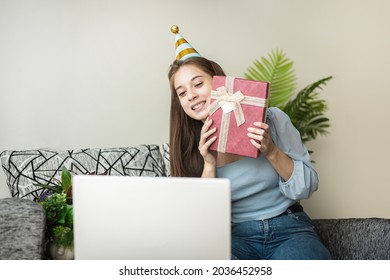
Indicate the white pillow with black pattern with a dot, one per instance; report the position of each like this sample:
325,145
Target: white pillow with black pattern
165,156
24,169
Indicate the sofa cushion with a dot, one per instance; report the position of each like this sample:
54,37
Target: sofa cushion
22,229
355,238
23,169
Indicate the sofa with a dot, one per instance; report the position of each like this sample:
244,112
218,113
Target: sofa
22,220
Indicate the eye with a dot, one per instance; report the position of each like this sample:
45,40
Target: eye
199,84
181,93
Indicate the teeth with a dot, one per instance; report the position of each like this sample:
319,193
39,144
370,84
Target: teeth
196,106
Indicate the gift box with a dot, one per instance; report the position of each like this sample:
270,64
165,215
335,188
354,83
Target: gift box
235,105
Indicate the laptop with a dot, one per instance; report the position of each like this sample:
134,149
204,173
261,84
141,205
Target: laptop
151,218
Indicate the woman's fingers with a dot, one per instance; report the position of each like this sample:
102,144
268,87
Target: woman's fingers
206,139
206,125
259,136
209,133
206,132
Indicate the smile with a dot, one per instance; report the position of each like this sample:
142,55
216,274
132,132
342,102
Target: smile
198,105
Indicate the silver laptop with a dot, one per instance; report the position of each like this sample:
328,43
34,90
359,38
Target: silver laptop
143,218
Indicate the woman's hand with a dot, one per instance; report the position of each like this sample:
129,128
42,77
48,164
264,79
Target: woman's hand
261,138
210,158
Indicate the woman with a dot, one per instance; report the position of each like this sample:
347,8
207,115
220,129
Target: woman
267,220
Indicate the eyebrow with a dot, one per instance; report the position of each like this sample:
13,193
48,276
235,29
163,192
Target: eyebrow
195,77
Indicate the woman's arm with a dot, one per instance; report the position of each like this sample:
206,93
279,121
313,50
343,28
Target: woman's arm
281,143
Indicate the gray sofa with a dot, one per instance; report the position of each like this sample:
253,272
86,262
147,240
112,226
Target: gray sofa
22,224
355,238
22,228
22,221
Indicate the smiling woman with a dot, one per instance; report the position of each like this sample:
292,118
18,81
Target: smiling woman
190,82
266,189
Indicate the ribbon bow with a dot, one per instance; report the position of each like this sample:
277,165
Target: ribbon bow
228,102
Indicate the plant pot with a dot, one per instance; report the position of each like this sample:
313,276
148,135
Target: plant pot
60,252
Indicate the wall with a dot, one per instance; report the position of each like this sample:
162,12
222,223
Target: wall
77,74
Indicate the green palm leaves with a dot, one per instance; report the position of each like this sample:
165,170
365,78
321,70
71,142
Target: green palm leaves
305,108
279,72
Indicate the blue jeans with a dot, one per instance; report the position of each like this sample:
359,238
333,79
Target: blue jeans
289,236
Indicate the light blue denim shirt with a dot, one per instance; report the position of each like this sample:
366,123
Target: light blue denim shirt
258,192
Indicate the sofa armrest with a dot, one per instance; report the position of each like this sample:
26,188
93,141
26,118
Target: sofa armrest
22,229
355,238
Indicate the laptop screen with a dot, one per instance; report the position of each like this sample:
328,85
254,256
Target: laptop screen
124,217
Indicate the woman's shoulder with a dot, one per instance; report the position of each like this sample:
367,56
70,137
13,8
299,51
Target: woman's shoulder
275,114
280,123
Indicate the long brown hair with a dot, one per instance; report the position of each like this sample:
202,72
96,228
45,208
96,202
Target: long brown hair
184,132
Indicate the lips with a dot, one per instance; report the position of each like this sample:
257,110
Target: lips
198,105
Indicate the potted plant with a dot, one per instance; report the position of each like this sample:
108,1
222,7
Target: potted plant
57,203
305,109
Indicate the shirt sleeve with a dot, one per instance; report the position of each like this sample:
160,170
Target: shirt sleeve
304,179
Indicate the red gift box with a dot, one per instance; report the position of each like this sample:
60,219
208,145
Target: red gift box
235,105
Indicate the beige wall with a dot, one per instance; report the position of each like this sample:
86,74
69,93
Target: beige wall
77,74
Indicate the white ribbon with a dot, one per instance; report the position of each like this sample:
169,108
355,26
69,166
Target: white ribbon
229,102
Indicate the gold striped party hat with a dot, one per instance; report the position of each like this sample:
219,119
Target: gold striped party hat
184,49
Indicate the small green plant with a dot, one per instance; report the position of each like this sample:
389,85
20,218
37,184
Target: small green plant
57,204
305,108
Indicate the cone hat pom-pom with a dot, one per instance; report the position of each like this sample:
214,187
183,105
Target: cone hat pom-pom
184,49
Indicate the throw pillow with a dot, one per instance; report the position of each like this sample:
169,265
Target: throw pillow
165,156
24,169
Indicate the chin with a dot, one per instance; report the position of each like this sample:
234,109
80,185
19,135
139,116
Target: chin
199,116
202,117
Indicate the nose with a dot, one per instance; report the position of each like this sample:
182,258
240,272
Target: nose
192,94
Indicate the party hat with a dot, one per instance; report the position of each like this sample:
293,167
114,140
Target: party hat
184,49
